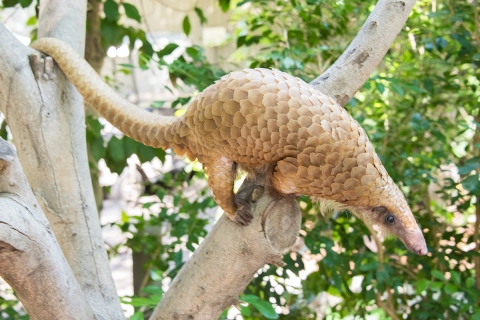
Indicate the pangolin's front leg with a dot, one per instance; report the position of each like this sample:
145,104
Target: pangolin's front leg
221,176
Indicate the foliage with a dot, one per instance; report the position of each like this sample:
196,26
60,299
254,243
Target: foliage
420,110
11,309
299,37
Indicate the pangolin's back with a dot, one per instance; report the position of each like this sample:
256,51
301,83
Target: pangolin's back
258,116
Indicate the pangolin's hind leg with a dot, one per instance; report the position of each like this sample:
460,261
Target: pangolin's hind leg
221,175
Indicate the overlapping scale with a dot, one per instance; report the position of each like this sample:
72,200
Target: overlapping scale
319,148
256,117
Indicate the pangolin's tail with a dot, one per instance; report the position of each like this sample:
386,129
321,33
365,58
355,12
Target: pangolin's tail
150,129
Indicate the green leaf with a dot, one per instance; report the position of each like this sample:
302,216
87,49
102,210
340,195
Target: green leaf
470,183
450,288
110,8
476,56
156,275
126,65
186,25
144,302
470,282
241,41
469,167
111,32
32,21
428,85
380,87
397,89
475,316
153,289
115,149
334,291
437,274
130,146
193,52
157,104
146,153
9,3
125,217
169,48
137,316
249,298
98,148
436,285
200,15
225,5
265,309
455,276
245,311
131,11
25,3
421,285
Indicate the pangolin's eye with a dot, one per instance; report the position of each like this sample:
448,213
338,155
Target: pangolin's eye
389,219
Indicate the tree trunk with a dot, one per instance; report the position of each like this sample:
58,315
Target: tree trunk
46,117
31,260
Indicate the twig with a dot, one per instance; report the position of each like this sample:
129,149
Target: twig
391,313
146,277
404,269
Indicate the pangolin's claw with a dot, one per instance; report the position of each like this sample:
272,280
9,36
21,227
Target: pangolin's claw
243,216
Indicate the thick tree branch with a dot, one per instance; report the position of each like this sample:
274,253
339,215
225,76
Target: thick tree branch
31,260
230,255
46,117
348,74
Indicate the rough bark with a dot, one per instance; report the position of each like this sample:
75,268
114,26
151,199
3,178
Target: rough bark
224,264
230,255
46,117
348,74
94,51
94,54
31,260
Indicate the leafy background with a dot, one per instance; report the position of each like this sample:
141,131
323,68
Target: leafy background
421,110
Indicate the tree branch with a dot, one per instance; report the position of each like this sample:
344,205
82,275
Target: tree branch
348,74
31,260
46,117
228,258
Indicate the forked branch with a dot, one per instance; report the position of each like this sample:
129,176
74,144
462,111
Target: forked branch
31,260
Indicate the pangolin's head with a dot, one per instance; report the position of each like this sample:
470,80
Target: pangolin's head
392,215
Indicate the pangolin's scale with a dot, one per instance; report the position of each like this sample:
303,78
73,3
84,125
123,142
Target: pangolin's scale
255,117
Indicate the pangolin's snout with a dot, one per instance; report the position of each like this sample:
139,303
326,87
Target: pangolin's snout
415,242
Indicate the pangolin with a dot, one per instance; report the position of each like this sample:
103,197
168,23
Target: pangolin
258,119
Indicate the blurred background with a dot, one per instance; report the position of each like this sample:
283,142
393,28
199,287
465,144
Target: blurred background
420,108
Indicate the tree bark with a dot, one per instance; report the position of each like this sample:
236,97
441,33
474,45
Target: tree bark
31,260
224,264
228,258
94,55
46,117
348,74
94,51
